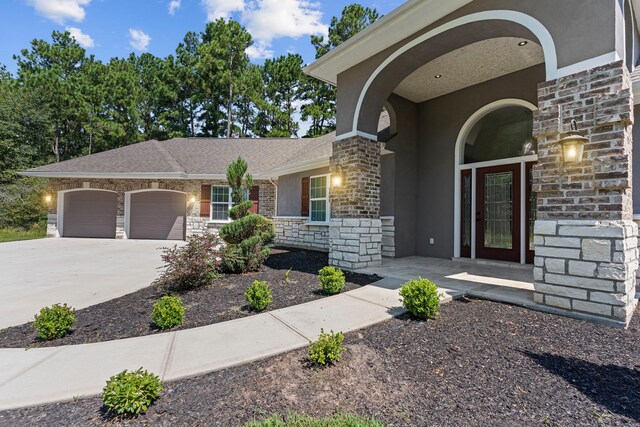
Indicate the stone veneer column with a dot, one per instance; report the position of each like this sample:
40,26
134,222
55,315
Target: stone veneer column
355,232
585,240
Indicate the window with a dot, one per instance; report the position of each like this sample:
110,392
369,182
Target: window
220,203
319,198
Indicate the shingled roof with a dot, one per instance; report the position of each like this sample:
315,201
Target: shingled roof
196,158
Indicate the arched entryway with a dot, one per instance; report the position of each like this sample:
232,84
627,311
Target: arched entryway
494,207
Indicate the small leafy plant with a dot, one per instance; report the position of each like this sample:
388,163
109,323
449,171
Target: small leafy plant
421,298
168,312
287,275
258,295
54,322
193,265
331,280
326,350
131,393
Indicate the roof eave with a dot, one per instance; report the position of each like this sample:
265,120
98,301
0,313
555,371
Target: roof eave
297,167
119,175
399,24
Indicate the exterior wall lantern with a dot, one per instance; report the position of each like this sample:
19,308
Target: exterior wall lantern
192,199
573,145
48,198
337,177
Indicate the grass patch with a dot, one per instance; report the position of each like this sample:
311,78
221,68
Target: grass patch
15,234
296,420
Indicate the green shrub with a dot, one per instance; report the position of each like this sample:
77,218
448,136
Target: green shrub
168,312
258,295
248,235
131,393
296,420
191,266
421,298
327,349
54,322
331,280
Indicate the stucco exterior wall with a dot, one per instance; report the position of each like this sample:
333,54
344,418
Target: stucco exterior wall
439,123
595,28
290,189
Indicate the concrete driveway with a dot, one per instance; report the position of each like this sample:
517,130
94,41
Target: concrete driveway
79,272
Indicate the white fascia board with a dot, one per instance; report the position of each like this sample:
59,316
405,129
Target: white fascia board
401,23
298,167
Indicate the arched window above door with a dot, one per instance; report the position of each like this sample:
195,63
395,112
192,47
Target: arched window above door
501,134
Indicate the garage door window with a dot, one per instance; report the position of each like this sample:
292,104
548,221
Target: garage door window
220,203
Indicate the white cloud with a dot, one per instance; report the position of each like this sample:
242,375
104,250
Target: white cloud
259,51
83,39
222,8
173,6
267,20
60,10
139,40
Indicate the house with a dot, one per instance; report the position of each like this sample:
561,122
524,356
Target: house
479,160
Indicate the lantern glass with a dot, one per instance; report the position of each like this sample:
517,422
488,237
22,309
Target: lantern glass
572,149
336,180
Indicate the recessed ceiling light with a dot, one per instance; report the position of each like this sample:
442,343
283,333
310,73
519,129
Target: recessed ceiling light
523,43
438,76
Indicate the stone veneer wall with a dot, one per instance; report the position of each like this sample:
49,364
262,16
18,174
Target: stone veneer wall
585,240
295,232
355,233
355,242
388,236
587,266
195,224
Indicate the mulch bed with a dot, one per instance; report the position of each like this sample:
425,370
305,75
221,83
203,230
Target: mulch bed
479,363
130,315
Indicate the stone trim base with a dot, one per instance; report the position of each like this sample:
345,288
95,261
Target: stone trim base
388,236
355,242
587,266
295,232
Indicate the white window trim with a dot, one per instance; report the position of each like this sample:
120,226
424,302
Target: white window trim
327,178
211,203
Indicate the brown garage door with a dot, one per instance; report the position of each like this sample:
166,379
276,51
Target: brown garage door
89,213
157,215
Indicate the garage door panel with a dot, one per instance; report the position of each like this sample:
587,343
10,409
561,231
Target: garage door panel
90,213
157,215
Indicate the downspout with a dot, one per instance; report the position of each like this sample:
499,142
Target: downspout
275,210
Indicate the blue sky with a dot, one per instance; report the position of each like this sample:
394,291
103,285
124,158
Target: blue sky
108,28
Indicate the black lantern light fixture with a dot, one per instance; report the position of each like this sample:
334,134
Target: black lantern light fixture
573,145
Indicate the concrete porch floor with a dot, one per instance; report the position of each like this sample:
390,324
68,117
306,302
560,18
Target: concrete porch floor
496,281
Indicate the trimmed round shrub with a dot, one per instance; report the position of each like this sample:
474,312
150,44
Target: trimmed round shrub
168,312
326,350
55,321
331,280
258,295
131,393
421,298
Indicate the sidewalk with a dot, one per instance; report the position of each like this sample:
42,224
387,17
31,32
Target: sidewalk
30,377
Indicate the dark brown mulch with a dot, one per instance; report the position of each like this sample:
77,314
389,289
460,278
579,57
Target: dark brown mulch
478,364
130,315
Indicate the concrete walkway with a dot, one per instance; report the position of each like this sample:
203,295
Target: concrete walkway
79,272
44,375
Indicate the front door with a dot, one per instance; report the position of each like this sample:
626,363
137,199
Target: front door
498,198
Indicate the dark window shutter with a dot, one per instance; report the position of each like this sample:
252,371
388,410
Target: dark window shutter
304,201
254,196
205,200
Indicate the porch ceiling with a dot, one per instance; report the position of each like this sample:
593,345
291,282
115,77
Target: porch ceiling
470,65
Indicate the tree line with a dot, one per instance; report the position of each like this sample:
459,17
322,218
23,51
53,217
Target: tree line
63,103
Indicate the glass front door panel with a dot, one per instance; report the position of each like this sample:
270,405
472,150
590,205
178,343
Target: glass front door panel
498,210
466,210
